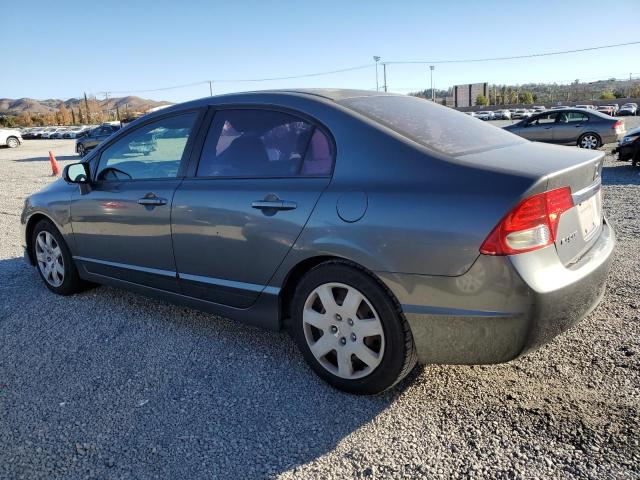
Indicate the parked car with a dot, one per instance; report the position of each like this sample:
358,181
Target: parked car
572,126
539,108
485,115
502,114
93,137
615,107
559,107
47,132
628,109
471,114
10,137
36,132
629,147
606,109
73,132
585,107
521,113
304,210
58,132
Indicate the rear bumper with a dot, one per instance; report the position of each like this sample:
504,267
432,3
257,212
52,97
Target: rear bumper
502,307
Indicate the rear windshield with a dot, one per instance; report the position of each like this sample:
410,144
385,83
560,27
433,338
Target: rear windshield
434,126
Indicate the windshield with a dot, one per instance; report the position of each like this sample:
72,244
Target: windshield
433,126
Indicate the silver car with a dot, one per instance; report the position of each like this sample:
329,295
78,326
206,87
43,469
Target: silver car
379,229
571,126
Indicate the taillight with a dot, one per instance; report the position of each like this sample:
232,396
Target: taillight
619,123
531,225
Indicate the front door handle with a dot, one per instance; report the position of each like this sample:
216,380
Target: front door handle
274,205
152,201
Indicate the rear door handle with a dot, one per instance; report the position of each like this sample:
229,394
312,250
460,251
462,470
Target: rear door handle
153,201
274,205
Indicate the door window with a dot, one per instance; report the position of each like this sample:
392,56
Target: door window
262,143
547,119
573,117
154,150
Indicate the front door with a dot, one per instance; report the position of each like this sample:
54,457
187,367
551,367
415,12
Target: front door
259,177
122,226
569,126
539,128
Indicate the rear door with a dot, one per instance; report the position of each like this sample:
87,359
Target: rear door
539,128
235,218
569,126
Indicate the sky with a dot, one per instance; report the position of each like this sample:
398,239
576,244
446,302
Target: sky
62,49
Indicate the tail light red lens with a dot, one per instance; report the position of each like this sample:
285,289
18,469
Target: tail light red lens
531,225
618,124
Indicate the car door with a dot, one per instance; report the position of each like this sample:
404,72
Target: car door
539,128
256,183
122,225
569,126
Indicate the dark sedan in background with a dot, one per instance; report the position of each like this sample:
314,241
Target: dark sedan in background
570,126
93,137
629,147
379,229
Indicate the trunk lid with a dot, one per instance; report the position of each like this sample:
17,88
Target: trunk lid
551,167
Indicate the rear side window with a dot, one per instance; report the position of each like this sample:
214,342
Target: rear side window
434,126
263,143
573,117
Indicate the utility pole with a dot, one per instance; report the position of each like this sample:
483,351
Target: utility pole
384,75
433,96
376,59
86,105
210,88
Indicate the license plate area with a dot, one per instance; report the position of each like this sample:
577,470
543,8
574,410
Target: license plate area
590,215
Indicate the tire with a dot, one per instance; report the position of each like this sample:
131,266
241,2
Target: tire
65,280
590,141
81,150
13,142
635,161
379,333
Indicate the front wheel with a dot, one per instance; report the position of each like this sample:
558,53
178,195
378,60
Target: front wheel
12,142
54,261
81,150
590,141
350,330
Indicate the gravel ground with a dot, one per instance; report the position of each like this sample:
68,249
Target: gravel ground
108,384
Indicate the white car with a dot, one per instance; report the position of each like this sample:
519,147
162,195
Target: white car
502,114
10,138
485,115
58,132
73,132
47,132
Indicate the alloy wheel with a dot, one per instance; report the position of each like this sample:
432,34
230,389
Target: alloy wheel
12,142
50,259
343,330
589,142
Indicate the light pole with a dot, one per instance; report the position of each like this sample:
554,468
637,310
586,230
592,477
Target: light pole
376,59
431,68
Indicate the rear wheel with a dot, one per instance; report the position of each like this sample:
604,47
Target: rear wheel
81,150
54,260
12,142
590,141
350,330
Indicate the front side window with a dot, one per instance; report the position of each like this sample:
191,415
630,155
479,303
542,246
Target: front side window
262,143
544,119
154,150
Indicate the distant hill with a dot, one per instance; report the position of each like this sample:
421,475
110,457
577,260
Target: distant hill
31,106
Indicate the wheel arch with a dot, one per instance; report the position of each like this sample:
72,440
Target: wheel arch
29,227
296,273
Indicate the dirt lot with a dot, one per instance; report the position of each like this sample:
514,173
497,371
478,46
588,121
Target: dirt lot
108,384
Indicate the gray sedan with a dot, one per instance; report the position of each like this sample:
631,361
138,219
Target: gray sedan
379,229
570,126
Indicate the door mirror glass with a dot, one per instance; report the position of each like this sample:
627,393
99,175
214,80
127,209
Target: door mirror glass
76,173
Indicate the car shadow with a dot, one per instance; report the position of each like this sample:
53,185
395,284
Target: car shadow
147,388
620,173
46,159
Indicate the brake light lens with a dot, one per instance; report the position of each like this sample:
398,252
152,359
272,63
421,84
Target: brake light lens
531,225
618,125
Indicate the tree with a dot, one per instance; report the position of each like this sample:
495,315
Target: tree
526,98
482,100
607,96
63,117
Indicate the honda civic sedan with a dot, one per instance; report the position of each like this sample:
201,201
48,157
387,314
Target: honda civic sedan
380,230
571,126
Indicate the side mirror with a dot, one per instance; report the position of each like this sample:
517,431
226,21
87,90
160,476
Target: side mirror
77,173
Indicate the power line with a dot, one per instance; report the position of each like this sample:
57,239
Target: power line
514,57
370,65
